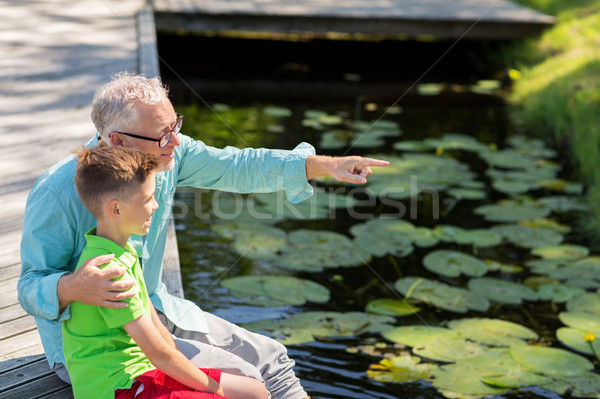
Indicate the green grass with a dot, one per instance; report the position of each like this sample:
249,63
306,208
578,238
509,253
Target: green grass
558,91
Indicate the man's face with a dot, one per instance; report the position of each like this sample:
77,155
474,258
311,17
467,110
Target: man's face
153,122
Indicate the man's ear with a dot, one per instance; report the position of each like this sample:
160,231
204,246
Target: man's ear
112,209
116,139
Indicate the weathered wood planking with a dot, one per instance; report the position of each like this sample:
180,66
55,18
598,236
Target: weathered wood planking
57,52
472,19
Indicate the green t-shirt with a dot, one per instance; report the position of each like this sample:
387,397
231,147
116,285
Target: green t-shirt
100,355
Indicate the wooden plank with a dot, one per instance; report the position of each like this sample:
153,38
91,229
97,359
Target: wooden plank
11,312
24,344
32,349
10,271
13,378
11,364
39,388
16,327
64,393
473,19
8,295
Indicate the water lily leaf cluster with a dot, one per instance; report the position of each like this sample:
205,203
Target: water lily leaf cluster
342,133
305,327
414,174
280,290
392,307
394,236
442,295
453,263
327,249
482,357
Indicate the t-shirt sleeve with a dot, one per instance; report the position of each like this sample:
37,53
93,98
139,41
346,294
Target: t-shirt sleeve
118,317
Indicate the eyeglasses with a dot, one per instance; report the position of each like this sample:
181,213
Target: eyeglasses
164,139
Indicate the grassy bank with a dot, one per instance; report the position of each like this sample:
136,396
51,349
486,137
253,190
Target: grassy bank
557,87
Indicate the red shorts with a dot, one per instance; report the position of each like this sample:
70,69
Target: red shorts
158,385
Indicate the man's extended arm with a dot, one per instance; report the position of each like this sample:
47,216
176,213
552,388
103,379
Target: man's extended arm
263,170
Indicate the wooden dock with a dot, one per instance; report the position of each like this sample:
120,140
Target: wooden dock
55,54
410,19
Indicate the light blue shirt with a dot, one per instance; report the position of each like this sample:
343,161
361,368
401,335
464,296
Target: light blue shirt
56,222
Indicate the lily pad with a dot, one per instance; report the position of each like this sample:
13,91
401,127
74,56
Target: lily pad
259,247
512,186
574,338
497,368
453,264
545,223
381,236
588,303
403,368
449,349
410,145
511,212
441,295
278,112
581,320
563,204
517,378
391,307
459,380
494,265
585,385
305,327
502,291
233,230
493,332
528,237
583,270
559,293
395,231
284,289
550,361
417,336
561,252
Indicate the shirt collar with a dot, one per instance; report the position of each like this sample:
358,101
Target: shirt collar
126,255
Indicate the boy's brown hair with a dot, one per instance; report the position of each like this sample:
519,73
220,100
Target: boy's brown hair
114,171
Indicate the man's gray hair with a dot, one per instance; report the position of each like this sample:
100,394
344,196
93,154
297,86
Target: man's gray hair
113,104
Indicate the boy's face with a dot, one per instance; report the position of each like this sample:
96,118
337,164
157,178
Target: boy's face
136,212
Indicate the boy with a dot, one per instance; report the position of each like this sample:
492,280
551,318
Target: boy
127,353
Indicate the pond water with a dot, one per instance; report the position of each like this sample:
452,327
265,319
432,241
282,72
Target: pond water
453,176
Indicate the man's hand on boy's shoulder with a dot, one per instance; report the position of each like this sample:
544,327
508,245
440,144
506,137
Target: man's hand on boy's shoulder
94,286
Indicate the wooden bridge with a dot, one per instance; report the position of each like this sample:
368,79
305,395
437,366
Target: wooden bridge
443,19
57,52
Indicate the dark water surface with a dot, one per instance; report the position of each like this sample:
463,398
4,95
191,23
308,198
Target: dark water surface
326,367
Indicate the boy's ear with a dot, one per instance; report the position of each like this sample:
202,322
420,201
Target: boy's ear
112,209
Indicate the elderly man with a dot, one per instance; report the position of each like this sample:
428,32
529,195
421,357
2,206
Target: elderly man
133,111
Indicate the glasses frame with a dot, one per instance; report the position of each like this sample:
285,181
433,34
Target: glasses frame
164,139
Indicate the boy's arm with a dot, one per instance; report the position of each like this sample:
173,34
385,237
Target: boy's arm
162,330
168,359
